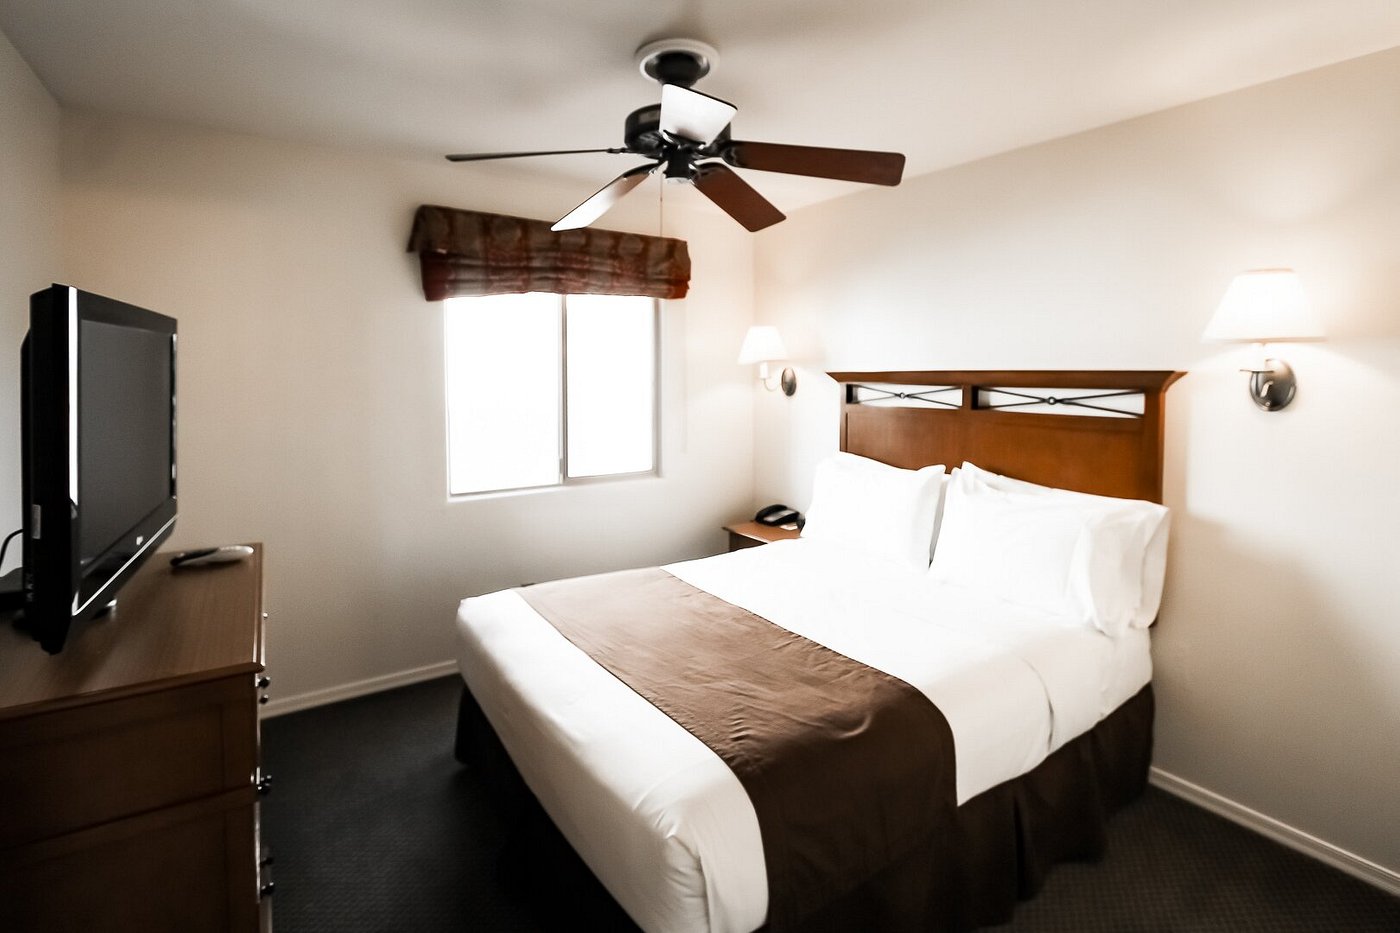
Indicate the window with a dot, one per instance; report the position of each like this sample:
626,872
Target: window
543,389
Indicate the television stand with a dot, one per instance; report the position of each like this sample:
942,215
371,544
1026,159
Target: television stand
129,762
12,590
12,605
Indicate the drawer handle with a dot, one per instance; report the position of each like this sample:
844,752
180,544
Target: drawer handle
267,890
263,683
262,700
264,785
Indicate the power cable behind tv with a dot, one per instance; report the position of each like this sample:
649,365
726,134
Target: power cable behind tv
12,583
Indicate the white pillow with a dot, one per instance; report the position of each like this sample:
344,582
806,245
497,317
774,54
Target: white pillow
1049,553
1151,576
943,481
875,506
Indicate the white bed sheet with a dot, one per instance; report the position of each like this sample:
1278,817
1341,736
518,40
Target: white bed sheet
663,822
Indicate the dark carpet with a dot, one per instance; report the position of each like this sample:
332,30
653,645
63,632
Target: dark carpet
376,827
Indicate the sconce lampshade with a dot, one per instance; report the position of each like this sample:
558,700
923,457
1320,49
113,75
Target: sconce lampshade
1264,306
762,344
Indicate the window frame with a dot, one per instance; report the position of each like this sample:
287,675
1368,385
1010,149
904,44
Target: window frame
564,479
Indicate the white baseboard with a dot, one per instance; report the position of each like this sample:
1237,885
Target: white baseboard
1356,866
359,688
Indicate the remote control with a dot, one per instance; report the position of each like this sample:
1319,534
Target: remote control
211,555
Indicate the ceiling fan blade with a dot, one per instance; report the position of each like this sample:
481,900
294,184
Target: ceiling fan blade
735,197
692,115
603,199
483,156
872,168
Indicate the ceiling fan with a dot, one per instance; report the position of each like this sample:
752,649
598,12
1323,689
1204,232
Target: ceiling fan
686,138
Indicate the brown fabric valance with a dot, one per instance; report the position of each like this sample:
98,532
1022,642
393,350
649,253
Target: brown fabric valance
470,253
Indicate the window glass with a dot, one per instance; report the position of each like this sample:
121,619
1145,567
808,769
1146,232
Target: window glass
610,367
542,389
503,398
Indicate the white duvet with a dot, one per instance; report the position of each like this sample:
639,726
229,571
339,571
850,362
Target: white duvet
661,820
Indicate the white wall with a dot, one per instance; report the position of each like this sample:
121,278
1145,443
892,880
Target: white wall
1278,650
311,386
29,254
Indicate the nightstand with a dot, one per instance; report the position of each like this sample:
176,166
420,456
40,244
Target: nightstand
752,534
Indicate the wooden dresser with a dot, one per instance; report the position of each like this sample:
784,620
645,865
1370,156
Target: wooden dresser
129,762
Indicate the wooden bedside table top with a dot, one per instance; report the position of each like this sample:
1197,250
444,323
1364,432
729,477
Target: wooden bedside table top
759,532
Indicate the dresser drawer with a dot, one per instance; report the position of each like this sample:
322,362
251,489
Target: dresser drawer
75,768
186,869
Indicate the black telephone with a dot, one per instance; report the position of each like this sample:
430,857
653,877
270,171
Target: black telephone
779,515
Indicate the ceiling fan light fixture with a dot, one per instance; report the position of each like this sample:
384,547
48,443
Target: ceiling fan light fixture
679,169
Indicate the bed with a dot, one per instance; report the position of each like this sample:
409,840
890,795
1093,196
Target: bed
1050,725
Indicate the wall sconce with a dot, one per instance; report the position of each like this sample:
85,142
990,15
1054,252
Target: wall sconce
763,345
1265,306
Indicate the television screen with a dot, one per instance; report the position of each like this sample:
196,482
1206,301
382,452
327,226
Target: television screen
99,452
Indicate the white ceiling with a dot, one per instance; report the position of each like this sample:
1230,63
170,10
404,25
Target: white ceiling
944,81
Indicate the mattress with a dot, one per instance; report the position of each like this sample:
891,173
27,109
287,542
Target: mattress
662,821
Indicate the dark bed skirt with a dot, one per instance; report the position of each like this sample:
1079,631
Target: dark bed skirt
1002,846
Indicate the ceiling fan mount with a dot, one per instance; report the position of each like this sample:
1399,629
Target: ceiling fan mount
687,138
676,61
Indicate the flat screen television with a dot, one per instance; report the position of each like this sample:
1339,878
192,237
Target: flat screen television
98,458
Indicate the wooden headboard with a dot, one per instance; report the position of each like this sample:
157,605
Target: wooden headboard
1094,431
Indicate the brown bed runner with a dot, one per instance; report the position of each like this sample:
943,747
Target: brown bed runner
848,768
